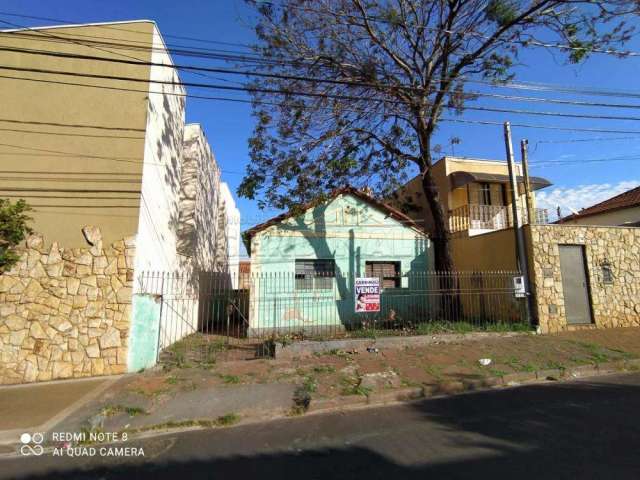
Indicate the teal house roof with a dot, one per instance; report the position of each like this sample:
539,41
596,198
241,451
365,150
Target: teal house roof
378,205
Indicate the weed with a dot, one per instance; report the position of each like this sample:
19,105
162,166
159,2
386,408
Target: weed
554,365
434,370
324,369
228,419
310,384
517,365
223,421
496,372
111,410
408,383
301,399
352,386
230,379
172,380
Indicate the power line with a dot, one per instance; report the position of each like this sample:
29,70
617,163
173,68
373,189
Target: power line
520,85
73,125
67,134
118,28
299,93
38,172
536,86
58,153
45,33
244,101
58,54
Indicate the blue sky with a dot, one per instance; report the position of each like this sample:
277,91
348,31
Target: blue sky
228,125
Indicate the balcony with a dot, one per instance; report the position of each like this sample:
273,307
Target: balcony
485,218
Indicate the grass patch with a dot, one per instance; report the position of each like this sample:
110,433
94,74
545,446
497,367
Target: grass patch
223,421
434,370
554,365
111,410
171,380
321,369
352,386
432,328
230,379
599,354
228,419
518,366
496,372
310,384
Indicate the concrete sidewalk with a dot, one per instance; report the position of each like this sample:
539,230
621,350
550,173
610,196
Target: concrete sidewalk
38,407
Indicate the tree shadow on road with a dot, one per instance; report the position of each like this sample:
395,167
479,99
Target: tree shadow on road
569,430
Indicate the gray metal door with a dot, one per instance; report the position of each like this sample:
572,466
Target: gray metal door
577,303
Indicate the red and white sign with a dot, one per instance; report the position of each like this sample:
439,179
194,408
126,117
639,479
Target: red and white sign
367,294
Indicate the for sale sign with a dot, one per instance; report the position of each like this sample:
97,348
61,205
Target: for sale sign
367,292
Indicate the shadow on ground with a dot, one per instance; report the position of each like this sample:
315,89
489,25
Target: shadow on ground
587,429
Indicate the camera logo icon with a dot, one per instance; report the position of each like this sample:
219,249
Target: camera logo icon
32,444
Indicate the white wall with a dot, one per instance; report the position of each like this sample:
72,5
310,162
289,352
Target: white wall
157,237
157,227
200,199
232,232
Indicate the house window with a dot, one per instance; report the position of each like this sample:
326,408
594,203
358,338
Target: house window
484,194
315,274
387,272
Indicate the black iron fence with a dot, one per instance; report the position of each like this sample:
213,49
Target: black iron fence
214,315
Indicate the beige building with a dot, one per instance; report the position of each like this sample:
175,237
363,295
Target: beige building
475,195
476,199
621,210
93,137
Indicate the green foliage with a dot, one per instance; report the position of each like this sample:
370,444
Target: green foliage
14,229
502,12
230,379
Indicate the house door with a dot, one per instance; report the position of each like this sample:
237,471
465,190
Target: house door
573,267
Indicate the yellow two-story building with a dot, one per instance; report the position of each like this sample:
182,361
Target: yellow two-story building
476,199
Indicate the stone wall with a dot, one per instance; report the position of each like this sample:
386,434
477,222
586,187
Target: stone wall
64,312
613,304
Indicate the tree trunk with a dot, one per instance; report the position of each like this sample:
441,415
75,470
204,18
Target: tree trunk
450,303
440,235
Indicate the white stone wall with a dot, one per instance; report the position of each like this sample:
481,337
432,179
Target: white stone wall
199,200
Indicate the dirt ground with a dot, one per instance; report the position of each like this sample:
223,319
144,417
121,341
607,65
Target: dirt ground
359,372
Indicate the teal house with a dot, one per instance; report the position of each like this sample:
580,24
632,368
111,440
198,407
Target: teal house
304,266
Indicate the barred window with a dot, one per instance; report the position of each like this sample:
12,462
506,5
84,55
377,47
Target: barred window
315,274
387,272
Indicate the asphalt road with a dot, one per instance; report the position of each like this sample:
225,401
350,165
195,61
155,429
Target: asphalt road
578,430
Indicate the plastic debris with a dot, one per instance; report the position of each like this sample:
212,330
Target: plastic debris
484,361
372,350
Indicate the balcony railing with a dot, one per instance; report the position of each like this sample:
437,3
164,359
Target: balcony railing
489,217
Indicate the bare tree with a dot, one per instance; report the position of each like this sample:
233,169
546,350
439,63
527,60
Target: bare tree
352,91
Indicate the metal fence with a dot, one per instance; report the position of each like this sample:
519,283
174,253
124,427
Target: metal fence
209,316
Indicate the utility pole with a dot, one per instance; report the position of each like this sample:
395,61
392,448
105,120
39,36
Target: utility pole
521,254
531,219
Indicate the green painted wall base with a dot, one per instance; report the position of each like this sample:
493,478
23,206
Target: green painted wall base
143,339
